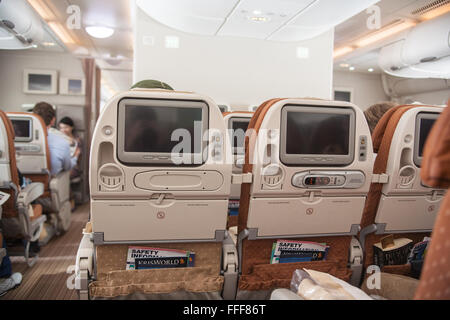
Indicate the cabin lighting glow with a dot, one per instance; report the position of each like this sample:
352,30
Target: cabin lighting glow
172,42
259,19
384,33
61,32
341,51
436,12
302,52
42,9
100,32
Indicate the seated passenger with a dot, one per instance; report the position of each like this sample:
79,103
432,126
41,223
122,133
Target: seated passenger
375,112
67,126
59,147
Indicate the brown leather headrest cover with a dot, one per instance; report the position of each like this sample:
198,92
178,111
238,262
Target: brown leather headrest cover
435,171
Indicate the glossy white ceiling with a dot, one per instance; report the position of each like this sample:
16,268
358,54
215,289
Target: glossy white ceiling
278,20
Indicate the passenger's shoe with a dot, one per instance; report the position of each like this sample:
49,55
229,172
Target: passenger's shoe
35,247
10,283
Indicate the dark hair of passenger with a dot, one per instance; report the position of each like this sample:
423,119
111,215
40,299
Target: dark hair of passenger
68,121
46,111
375,112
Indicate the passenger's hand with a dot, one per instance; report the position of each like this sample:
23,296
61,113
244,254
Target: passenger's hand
77,152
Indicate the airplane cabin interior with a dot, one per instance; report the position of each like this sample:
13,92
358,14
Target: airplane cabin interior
229,150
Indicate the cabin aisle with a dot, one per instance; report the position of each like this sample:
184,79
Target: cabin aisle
47,279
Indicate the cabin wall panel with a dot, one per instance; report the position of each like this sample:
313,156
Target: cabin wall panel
367,88
12,64
231,70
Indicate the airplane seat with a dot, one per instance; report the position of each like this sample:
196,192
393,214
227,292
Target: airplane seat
146,191
21,220
398,203
235,121
33,161
302,182
435,281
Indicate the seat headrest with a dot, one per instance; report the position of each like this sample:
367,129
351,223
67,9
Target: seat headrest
435,171
380,129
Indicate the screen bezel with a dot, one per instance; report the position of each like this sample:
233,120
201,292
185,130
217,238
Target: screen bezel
317,160
155,158
237,150
421,115
30,124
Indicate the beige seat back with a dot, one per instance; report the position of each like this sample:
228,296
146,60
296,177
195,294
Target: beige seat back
144,195
400,203
280,203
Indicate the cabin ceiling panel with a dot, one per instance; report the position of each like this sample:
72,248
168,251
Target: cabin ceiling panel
284,20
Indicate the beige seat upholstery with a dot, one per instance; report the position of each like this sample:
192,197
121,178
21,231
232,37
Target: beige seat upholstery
274,206
145,198
20,219
399,203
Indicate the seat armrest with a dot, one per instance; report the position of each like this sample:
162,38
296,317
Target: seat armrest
230,255
30,193
356,262
363,234
230,269
284,294
84,262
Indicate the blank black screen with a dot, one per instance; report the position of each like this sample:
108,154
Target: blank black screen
425,128
149,129
40,82
317,133
239,136
21,128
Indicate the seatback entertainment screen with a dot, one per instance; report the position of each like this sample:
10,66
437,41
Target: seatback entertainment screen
317,135
239,127
149,129
22,129
153,131
424,124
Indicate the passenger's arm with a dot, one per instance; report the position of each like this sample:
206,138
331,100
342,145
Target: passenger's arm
68,161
